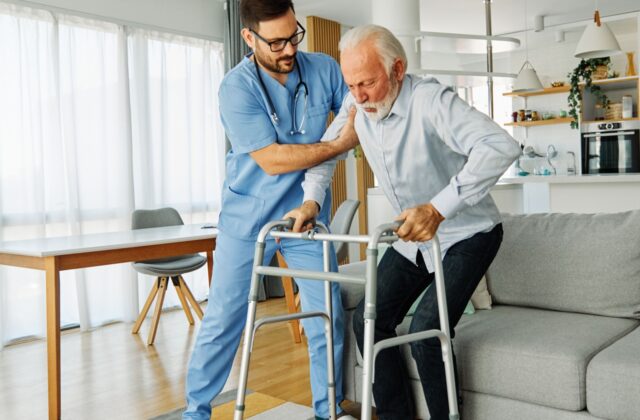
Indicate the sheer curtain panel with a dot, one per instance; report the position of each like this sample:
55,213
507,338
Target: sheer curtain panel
97,119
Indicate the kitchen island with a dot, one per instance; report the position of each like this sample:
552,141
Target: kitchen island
544,194
568,194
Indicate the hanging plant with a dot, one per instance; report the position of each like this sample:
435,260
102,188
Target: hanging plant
583,73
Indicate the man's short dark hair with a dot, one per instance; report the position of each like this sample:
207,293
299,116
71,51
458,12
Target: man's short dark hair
252,12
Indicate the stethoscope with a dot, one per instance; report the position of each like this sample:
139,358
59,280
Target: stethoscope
301,89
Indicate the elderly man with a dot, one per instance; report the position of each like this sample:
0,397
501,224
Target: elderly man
436,159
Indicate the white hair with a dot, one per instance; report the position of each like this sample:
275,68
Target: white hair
386,44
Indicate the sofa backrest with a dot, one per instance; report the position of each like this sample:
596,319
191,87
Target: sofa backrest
587,263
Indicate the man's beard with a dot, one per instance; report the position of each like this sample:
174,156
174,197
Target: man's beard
384,106
278,65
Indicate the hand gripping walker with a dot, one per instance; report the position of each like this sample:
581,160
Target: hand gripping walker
383,233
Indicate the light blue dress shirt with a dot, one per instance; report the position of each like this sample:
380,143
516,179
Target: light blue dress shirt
432,147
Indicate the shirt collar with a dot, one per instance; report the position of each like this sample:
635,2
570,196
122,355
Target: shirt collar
401,105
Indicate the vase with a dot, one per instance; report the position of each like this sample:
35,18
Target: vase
631,65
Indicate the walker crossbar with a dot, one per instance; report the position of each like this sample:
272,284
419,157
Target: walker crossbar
405,339
309,275
288,317
312,235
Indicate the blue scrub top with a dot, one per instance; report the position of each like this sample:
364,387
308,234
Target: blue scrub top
251,197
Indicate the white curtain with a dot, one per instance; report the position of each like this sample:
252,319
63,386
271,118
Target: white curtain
95,120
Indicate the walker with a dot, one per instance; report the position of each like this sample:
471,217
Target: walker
383,234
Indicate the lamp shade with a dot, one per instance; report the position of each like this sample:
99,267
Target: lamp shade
527,79
597,41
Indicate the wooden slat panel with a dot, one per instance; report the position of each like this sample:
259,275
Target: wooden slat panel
365,180
324,36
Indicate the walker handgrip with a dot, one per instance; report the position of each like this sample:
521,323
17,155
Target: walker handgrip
287,224
397,224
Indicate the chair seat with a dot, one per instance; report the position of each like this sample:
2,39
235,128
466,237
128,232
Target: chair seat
171,267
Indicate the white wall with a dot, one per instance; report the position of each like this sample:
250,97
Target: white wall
197,17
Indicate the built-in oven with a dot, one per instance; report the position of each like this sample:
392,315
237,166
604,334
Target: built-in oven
612,147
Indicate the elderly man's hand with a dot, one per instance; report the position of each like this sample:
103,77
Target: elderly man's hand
304,215
348,139
420,223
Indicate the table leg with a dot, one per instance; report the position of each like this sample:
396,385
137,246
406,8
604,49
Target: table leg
53,336
210,265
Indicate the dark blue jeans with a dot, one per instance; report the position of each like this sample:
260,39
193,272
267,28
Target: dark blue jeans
400,283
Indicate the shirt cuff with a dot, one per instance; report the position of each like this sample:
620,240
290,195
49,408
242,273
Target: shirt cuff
448,202
314,193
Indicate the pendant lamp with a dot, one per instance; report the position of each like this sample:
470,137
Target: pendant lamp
527,79
597,41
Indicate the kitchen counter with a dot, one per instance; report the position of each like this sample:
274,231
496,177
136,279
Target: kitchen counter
607,193
570,179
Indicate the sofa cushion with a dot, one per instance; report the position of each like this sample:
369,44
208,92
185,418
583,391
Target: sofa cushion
613,379
533,355
476,406
588,263
528,354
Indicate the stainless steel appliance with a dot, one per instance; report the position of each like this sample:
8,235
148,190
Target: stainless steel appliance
611,147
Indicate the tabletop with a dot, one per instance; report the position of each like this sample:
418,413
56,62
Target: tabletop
47,247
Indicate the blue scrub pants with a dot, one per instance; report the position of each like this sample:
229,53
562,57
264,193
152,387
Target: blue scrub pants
226,315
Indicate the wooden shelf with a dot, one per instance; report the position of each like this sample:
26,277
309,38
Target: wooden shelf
629,82
545,91
541,122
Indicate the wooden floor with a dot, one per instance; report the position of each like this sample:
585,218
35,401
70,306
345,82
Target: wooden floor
109,373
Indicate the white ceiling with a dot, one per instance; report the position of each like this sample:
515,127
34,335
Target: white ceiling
467,16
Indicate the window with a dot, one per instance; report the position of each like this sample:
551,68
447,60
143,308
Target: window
97,119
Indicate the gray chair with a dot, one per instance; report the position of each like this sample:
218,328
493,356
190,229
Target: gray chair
340,224
164,269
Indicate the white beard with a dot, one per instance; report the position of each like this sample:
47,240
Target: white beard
384,106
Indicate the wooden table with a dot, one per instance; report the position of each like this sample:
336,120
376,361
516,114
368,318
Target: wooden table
71,252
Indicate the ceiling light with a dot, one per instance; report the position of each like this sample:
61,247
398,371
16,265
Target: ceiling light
527,79
597,41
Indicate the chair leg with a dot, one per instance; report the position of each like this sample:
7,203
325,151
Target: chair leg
176,283
190,298
297,304
145,308
289,297
162,289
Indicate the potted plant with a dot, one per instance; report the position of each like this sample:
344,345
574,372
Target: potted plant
586,71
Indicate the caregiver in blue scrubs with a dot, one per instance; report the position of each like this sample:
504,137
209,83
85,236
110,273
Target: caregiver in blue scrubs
274,107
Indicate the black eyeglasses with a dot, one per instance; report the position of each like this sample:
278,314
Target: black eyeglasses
278,45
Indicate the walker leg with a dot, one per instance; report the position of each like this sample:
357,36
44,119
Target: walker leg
328,301
445,343
248,333
369,333
452,394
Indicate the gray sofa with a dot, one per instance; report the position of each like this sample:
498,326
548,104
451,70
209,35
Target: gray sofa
562,340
